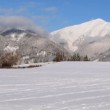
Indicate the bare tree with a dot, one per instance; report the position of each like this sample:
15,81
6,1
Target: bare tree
7,60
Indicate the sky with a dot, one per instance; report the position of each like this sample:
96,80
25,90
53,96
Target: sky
56,14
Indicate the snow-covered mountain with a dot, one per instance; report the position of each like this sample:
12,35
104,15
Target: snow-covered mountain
32,46
91,38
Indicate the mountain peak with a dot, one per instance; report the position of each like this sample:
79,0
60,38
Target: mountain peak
98,20
74,36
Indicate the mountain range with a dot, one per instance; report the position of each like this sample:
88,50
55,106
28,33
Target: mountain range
91,38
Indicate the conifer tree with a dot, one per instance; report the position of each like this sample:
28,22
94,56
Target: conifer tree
86,58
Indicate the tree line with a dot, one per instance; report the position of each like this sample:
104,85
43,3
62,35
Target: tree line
75,57
7,60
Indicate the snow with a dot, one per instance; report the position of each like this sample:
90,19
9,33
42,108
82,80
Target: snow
91,29
59,86
21,36
13,37
75,48
10,48
32,64
25,57
17,37
43,53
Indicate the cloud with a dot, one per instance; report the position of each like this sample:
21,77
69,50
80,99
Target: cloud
14,21
20,22
37,11
20,10
51,10
32,4
11,11
43,20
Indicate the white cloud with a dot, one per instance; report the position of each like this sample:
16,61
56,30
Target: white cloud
20,10
20,22
51,9
36,11
14,21
11,11
43,20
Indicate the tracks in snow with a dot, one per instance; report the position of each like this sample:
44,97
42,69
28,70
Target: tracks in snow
59,94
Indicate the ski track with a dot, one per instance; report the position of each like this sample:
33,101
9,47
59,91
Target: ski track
37,91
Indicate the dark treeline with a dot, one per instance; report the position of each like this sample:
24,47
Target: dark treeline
7,60
75,57
78,57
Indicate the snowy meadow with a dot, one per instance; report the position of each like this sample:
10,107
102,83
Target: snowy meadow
58,86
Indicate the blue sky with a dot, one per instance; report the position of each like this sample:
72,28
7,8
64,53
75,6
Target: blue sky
56,14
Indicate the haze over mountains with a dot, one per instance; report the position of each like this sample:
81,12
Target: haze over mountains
34,44
91,38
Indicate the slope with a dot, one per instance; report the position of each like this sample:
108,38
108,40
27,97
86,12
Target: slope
91,38
33,47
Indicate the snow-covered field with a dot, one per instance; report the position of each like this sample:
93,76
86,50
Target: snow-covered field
59,86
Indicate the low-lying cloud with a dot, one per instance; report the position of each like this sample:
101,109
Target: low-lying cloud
20,22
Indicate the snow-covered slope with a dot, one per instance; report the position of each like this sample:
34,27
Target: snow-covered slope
33,47
59,86
87,38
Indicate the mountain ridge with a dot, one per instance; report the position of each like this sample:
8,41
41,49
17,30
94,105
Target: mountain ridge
31,46
84,38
